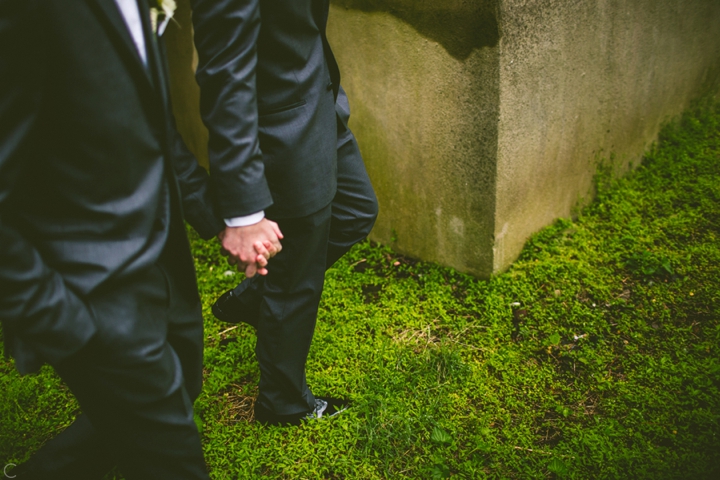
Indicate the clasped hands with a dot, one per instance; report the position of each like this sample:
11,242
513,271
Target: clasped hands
250,247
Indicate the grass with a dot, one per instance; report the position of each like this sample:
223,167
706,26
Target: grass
597,355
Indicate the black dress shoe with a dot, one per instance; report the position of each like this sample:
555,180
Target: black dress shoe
230,308
324,407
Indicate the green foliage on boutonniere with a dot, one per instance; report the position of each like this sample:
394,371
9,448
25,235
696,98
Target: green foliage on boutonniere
161,15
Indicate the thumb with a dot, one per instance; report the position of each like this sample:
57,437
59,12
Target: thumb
250,270
276,228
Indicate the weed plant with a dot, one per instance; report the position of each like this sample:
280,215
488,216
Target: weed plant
596,355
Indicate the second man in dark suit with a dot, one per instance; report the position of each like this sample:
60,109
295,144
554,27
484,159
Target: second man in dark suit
280,148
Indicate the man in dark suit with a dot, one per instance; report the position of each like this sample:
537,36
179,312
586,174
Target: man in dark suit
280,148
96,276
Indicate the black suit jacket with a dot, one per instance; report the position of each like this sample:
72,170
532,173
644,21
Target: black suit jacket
87,152
269,84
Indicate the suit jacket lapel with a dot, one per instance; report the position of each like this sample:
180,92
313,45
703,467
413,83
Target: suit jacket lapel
108,12
155,62
152,75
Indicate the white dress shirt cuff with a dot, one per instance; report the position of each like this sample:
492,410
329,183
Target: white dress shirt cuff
245,221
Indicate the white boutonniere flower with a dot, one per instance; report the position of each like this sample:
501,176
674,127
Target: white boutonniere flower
161,15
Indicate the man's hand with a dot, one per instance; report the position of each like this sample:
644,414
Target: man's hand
252,246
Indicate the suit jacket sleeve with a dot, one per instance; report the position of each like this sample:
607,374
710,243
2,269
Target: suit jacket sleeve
194,188
193,180
36,306
226,33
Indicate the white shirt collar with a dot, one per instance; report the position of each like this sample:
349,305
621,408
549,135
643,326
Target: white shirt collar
131,13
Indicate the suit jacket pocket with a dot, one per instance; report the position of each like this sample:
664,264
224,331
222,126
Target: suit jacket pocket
281,108
299,148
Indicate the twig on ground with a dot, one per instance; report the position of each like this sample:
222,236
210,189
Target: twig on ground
227,330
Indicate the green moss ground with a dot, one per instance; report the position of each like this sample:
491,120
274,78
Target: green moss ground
597,355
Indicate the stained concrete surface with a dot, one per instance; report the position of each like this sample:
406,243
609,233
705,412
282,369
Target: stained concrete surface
475,143
426,120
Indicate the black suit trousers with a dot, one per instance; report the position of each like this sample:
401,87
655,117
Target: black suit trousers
287,299
136,382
